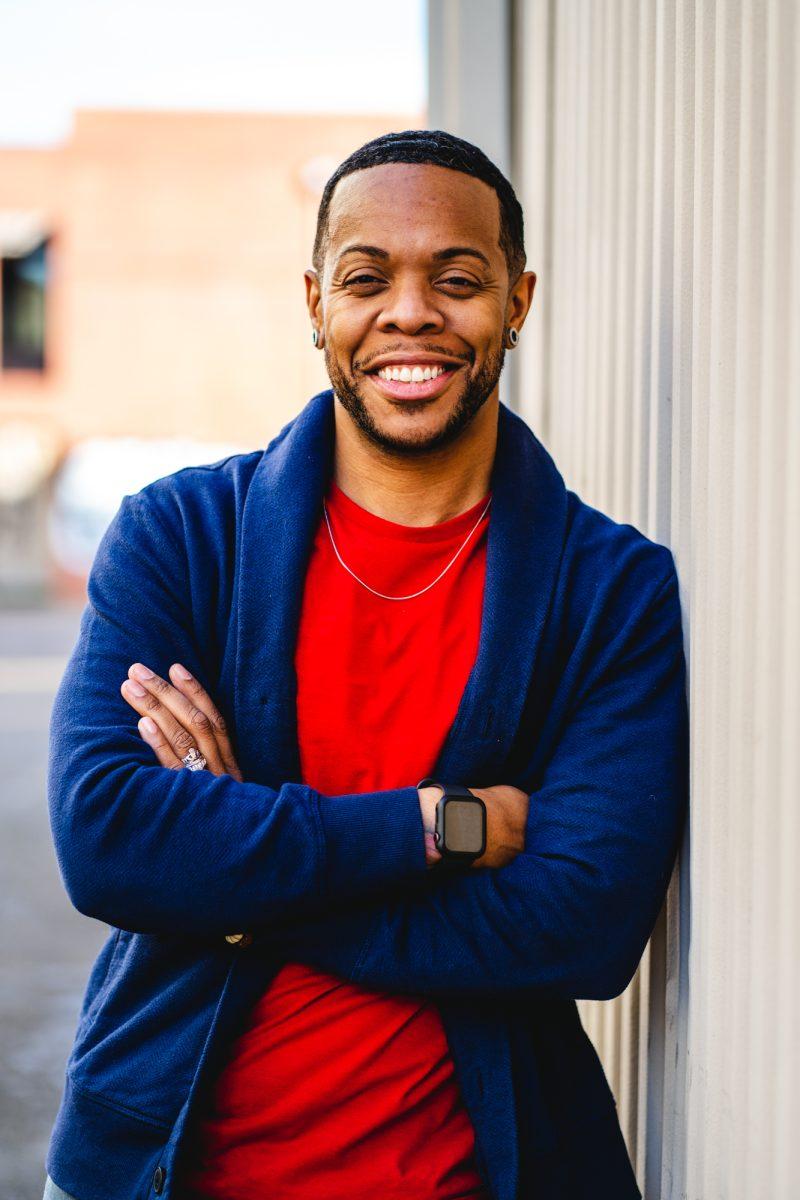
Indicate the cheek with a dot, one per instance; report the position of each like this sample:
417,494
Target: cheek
480,324
345,313
345,329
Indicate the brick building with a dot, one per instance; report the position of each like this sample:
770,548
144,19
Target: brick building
169,249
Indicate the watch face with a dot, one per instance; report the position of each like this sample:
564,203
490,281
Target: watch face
463,826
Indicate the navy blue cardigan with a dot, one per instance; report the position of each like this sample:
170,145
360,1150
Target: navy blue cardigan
577,695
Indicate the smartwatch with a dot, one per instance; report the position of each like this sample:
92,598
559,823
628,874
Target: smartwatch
460,835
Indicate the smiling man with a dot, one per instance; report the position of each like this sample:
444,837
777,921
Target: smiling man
414,326
372,751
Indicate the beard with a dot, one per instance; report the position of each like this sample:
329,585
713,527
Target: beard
474,395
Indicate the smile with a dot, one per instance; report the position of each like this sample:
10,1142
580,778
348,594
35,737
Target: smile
407,374
413,380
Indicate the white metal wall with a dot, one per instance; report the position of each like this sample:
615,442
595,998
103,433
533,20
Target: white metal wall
656,148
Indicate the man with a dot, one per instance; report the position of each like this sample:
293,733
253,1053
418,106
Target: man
373,753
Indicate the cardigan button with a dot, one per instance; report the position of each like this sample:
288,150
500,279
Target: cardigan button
159,1179
243,940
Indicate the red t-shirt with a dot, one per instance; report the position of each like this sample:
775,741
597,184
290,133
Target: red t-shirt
334,1091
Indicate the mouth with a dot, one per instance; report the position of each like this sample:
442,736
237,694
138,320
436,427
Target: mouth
404,379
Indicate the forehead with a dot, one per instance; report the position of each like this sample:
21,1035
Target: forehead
414,205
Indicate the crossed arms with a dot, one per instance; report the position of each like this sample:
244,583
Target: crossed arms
341,882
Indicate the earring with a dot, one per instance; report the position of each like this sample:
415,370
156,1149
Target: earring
513,336
314,337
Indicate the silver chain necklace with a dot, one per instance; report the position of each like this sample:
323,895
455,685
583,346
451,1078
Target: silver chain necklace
413,594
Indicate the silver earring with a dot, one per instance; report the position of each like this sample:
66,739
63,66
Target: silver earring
513,336
314,337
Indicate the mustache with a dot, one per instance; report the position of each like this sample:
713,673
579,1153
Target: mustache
399,348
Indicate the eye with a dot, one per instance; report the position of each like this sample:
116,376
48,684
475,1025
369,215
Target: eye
460,282
362,280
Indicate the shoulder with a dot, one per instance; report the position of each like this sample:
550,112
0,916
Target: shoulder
614,579
600,551
195,497
616,613
179,525
210,492
188,524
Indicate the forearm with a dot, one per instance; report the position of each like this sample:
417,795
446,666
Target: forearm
153,850
484,932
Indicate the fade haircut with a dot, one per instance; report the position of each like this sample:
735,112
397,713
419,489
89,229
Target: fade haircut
439,149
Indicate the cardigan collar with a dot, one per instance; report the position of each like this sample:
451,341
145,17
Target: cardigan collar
283,507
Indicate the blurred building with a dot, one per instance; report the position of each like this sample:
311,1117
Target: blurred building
152,287
152,271
656,150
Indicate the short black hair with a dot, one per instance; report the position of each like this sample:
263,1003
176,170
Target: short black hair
440,149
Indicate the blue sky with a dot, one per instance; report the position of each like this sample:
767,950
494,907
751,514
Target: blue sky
306,56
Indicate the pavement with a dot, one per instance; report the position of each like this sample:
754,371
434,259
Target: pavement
46,947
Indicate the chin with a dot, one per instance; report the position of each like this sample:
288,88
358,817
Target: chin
427,424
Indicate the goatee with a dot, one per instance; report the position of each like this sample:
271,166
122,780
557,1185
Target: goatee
477,391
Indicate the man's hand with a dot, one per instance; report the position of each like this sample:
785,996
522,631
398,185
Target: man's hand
506,817
181,714
177,716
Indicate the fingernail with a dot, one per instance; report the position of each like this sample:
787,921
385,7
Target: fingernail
135,689
180,671
142,672
147,725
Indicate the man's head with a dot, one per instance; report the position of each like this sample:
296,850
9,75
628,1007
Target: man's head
418,267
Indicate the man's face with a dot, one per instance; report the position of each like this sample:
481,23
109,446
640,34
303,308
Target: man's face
413,302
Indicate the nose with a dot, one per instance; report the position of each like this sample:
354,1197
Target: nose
410,308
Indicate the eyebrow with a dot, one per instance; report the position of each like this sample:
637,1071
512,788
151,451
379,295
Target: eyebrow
461,252
440,255
370,251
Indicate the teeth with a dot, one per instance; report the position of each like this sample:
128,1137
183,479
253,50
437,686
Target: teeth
415,374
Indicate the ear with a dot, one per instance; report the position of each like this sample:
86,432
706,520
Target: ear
519,299
314,298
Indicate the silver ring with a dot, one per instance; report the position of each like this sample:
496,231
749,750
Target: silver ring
194,760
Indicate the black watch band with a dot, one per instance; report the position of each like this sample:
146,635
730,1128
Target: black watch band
460,835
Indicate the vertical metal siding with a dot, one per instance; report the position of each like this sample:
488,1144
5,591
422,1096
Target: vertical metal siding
656,148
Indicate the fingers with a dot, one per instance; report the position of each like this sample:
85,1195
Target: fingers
181,723
200,699
159,744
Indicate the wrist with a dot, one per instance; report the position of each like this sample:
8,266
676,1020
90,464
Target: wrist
428,799
457,818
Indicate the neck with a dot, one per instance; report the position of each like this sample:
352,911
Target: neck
423,490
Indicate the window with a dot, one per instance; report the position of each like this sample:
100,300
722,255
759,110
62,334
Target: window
23,311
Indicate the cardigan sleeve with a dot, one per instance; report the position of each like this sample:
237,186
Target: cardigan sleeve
154,850
573,912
